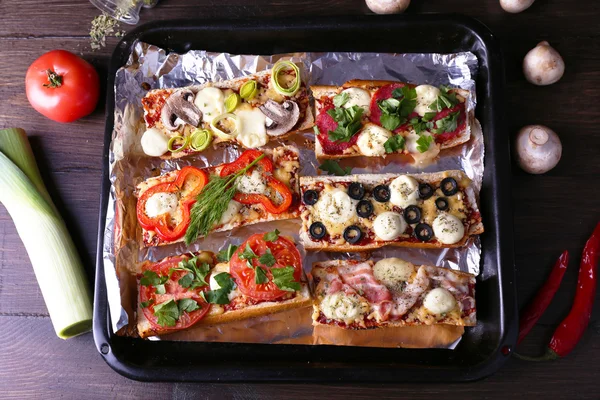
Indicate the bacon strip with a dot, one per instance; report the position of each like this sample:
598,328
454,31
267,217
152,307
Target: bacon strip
360,277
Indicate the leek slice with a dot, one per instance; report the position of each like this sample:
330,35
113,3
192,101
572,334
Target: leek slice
200,139
182,141
222,134
279,67
53,255
249,90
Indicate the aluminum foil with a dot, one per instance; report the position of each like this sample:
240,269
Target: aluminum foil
151,67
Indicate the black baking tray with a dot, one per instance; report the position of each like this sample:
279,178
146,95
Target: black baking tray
483,349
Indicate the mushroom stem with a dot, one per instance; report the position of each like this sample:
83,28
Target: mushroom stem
538,136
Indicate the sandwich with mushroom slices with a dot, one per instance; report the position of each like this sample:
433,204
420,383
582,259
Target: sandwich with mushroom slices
189,203
391,292
262,276
248,111
377,118
365,212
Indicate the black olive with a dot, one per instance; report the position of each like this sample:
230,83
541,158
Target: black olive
352,234
425,191
412,214
356,191
382,193
310,197
317,230
441,203
449,186
423,232
364,208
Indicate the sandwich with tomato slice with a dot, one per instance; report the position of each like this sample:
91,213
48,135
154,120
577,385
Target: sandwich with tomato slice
262,276
189,203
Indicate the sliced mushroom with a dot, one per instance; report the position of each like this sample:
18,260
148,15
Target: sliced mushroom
281,118
180,109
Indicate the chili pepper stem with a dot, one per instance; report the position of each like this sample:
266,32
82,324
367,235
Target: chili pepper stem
549,355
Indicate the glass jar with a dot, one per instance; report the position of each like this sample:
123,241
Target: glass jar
127,11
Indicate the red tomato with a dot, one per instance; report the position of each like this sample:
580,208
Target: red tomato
62,86
173,291
285,253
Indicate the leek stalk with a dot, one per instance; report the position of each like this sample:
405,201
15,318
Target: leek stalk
53,255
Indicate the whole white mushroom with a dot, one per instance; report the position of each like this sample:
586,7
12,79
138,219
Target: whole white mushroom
538,149
515,6
388,6
543,65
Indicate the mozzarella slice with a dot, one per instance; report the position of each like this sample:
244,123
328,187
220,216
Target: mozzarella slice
421,159
211,102
252,184
371,140
439,301
342,307
393,271
404,191
154,142
252,130
426,94
448,229
336,207
214,285
161,203
233,208
357,97
389,225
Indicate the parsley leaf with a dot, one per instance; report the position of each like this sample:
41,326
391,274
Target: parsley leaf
145,304
423,143
225,254
260,275
341,99
284,279
195,276
267,259
418,125
316,130
390,121
394,111
167,313
221,295
160,289
332,167
151,278
187,305
397,93
348,120
394,143
446,124
444,100
271,236
186,280
429,116
248,253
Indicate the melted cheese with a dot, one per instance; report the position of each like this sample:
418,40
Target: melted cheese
389,225
404,191
252,184
233,208
357,97
161,203
252,131
371,140
439,301
426,94
210,101
336,207
154,142
448,229
393,271
342,307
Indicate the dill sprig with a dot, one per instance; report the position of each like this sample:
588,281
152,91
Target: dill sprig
212,202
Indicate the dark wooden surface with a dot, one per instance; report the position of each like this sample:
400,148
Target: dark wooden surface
551,212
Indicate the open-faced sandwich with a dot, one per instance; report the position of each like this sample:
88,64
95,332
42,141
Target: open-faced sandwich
262,276
189,203
392,292
376,118
248,111
364,212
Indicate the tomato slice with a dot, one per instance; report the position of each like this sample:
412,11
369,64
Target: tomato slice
285,253
173,291
246,158
188,183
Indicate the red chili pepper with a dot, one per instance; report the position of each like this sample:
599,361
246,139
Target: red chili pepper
532,313
571,329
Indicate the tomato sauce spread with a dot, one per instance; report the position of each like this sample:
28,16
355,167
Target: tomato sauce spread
326,123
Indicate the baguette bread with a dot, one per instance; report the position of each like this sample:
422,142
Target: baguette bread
470,215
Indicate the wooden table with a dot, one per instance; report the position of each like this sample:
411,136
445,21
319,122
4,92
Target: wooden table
552,212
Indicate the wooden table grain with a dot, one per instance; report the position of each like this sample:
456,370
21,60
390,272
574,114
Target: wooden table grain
552,212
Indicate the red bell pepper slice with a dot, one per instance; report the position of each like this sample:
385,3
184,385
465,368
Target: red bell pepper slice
277,186
246,158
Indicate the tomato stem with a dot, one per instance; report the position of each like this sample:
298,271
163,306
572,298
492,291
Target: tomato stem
55,80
